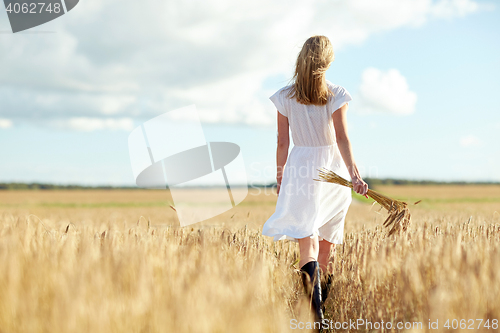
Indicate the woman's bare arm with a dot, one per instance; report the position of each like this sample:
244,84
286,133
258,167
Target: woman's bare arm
344,144
282,149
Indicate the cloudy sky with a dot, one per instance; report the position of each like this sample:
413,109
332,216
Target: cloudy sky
424,77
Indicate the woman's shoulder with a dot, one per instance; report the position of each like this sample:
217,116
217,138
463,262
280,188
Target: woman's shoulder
286,88
283,92
339,92
335,88
340,96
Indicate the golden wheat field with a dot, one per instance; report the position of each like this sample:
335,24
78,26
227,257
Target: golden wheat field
117,261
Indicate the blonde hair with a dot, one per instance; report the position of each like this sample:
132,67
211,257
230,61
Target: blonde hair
309,82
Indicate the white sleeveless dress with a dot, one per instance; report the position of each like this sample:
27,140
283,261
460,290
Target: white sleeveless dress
306,207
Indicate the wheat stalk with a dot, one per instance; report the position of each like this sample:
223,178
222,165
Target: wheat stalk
399,214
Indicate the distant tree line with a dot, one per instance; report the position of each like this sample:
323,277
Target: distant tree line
390,181
372,183
37,186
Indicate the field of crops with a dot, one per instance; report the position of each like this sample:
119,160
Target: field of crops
117,261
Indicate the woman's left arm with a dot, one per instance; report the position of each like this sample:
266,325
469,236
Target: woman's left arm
282,149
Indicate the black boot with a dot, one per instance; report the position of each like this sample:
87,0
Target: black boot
311,280
326,286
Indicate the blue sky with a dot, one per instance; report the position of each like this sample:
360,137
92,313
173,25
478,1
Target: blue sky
70,98
454,69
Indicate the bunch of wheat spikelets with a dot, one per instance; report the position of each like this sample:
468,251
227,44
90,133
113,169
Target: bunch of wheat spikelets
399,214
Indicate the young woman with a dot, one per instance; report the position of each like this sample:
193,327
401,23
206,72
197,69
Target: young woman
309,211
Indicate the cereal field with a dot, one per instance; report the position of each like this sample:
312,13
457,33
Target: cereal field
117,261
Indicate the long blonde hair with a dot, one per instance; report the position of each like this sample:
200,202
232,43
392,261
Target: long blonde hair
309,82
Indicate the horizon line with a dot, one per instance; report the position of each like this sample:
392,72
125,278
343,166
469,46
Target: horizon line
371,181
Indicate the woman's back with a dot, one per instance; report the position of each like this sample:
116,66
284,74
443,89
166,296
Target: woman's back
311,125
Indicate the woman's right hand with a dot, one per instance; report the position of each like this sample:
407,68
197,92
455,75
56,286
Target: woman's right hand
359,186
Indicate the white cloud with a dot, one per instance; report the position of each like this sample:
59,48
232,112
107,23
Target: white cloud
5,123
470,141
454,8
215,106
86,124
385,92
149,56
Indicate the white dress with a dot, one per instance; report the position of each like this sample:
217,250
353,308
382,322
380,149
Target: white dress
306,207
